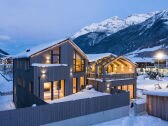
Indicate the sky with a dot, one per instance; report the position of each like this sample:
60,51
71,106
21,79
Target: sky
25,23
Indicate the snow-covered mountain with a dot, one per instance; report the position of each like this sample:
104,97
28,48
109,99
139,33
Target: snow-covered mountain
3,53
110,26
151,31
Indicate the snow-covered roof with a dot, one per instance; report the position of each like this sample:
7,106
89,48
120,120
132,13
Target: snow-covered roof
140,59
158,92
95,57
80,95
47,65
29,52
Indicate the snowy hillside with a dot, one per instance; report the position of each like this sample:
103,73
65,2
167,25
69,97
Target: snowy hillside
113,24
148,34
3,53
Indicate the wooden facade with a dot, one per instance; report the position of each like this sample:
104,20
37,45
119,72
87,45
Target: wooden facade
158,106
113,72
53,65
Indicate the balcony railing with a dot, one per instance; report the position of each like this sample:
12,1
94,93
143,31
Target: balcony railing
112,76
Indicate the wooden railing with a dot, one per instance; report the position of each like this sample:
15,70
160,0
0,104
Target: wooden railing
112,76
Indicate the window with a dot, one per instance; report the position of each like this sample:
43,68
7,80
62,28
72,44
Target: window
74,85
79,63
131,90
55,55
47,91
52,57
54,90
46,58
82,82
119,87
124,87
58,89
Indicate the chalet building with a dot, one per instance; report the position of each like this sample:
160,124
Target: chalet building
49,72
109,73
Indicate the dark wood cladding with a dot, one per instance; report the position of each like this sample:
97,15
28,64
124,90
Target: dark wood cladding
158,106
44,114
29,74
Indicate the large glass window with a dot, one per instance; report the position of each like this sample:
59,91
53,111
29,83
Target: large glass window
79,63
82,82
54,90
52,57
129,88
74,85
58,89
47,91
56,55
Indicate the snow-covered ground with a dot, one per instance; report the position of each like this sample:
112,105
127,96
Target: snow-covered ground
6,101
5,86
148,84
85,93
144,120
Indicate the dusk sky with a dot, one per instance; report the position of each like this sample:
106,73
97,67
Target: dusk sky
37,21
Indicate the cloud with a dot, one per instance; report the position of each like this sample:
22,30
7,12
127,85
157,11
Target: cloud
4,37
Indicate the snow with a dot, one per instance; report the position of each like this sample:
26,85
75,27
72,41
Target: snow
37,49
47,65
5,86
134,58
113,24
6,103
144,120
159,92
148,84
80,95
140,101
95,57
29,52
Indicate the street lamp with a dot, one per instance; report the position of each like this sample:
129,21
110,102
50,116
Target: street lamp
159,56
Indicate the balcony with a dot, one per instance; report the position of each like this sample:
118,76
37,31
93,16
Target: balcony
112,76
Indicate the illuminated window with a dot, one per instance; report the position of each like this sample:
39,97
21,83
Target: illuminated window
82,82
131,90
119,87
74,85
47,91
124,87
78,62
52,57
58,89
93,68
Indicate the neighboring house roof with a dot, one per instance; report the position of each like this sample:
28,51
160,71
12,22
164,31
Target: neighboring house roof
140,59
95,57
121,57
44,47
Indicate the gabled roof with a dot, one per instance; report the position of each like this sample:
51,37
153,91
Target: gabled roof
43,47
121,57
95,57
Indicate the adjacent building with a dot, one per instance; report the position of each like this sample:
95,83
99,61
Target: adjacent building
110,73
